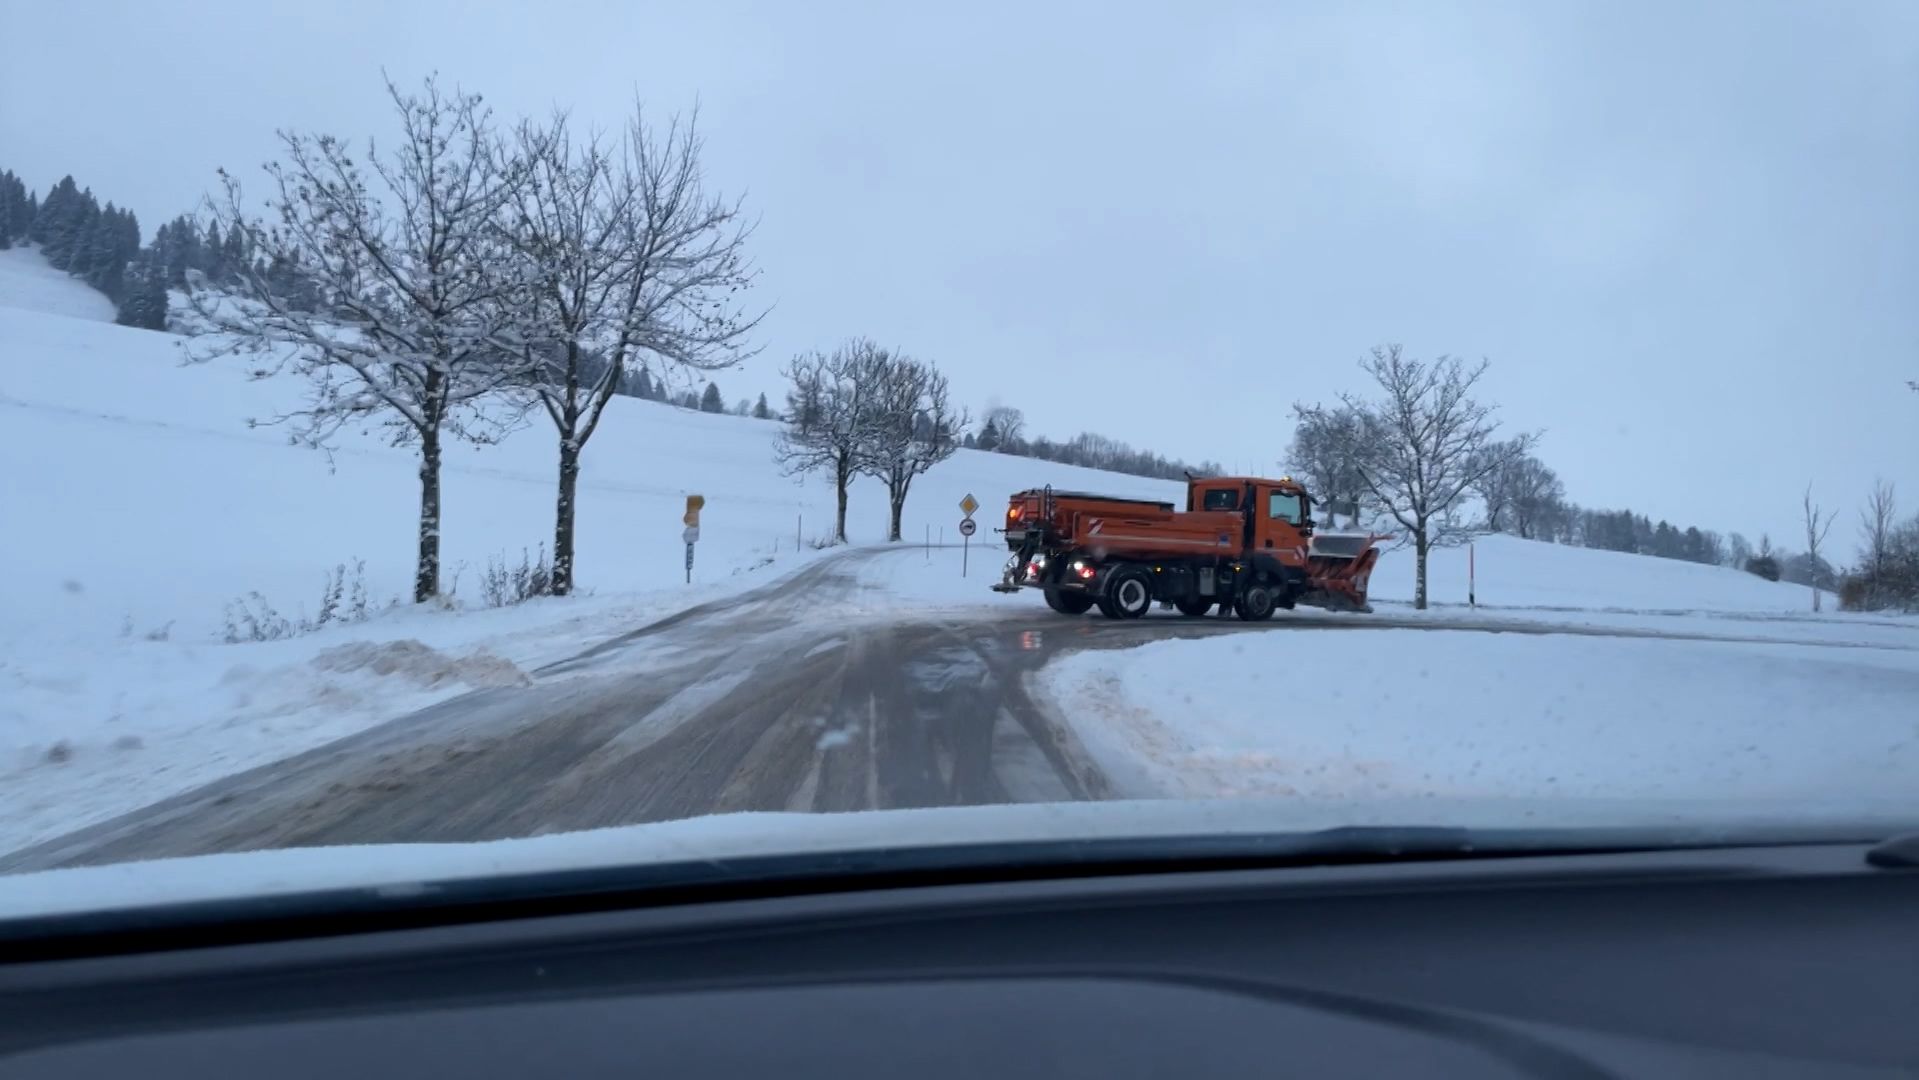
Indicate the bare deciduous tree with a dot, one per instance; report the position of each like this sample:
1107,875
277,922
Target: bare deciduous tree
1009,423
626,260
1495,488
1432,441
1877,524
1817,526
410,277
912,429
1328,447
1534,491
837,392
1738,550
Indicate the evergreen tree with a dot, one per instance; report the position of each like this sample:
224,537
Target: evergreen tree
8,201
52,211
54,221
70,247
145,305
179,250
711,401
237,254
760,409
115,241
86,222
213,255
989,436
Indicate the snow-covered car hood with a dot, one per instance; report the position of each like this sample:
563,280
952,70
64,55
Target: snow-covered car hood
410,869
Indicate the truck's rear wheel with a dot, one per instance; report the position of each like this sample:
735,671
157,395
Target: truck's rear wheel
1194,607
1128,594
1068,603
1255,604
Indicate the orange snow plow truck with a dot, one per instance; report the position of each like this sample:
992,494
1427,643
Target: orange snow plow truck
1242,543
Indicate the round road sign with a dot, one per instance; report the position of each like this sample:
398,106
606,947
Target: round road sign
967,526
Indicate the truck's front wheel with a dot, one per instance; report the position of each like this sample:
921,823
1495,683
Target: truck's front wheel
1255,604
1068,603
1128,594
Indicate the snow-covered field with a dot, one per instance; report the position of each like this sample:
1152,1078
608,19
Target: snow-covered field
1515,573
29,283
1417,714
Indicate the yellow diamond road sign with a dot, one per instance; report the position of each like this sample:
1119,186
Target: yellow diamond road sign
968,505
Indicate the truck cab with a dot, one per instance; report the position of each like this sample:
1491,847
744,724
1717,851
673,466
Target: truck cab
1280,521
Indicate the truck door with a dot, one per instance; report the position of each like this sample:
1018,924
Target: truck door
1280,521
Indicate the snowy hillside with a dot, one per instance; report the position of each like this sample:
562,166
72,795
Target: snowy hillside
28,283
1529,574
168,505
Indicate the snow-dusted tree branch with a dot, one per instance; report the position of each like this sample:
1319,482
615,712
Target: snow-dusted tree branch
835,434
1430,443
1818,524
1877,524
1328,447
626,261
913,426
1518,491
404,280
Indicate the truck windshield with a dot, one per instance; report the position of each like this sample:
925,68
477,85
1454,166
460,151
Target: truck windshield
1283,506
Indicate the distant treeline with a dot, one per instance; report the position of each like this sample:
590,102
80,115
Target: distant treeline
100,245
1003,430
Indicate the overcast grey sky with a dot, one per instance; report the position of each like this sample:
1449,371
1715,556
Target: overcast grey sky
1686,235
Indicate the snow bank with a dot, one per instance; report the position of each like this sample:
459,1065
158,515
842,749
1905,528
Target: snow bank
79,746
1445,714
29,283
1517,573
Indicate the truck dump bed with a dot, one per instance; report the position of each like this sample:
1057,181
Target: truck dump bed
1108,525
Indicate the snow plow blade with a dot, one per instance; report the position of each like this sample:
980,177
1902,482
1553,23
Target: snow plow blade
1339,567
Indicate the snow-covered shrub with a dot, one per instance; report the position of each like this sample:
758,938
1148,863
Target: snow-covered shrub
503,585
343,599
251,618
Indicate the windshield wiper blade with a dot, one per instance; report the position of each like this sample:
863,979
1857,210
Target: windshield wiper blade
1896,853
